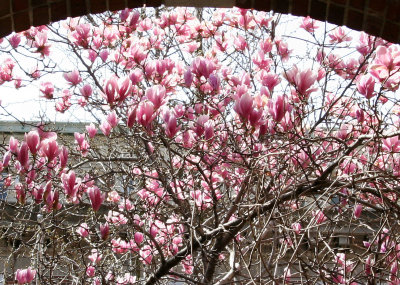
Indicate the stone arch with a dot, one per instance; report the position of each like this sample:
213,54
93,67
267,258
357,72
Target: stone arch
376,17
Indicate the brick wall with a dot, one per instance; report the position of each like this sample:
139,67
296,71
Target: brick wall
377,17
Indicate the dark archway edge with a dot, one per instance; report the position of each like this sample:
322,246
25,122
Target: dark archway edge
376,17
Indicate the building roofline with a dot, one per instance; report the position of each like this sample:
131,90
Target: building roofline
24,127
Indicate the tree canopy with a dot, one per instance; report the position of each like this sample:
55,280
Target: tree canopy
224,147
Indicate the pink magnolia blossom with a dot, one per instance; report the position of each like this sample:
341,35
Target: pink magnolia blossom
171,125
192,111
83,230
145,113
366,43
309,24
214,82
117,90
13,144
47,89
35,73
110,90
386,61
136,76
109,276
105,127
208,130
156,95
124,88
283,49
96,197
116,218
73,77
179,110
104,55
113,196
366,86
41,44
86,91
357,211
79,138
302,80
95,256
266,45
339,35
192,47
319,216
243,106
131,117
45,134
343,132
49,148
23,155
91,129
145,25
6,158
262,60
25,276
126,204
61,107
147,254
30,177
63,156
137,53
188,77
158,68
138,238
20,193
17,83
112,119
33,141
203,67
270,80
391,144
321,74
188,264
242,80
81,34
240,43
120,246
83,145
168,19
278,107
296,227
90,271
70,183
344,262
51,198
104,230
134,18
200,124
92,55
201,199
15,40
360,115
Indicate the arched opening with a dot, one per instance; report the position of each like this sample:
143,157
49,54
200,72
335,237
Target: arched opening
379,18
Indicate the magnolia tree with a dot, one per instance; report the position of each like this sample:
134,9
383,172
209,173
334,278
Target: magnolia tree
225,147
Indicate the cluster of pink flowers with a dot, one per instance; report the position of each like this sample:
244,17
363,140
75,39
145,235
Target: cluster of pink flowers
25,276
202,125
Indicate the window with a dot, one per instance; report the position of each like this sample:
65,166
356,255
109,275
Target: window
3,191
